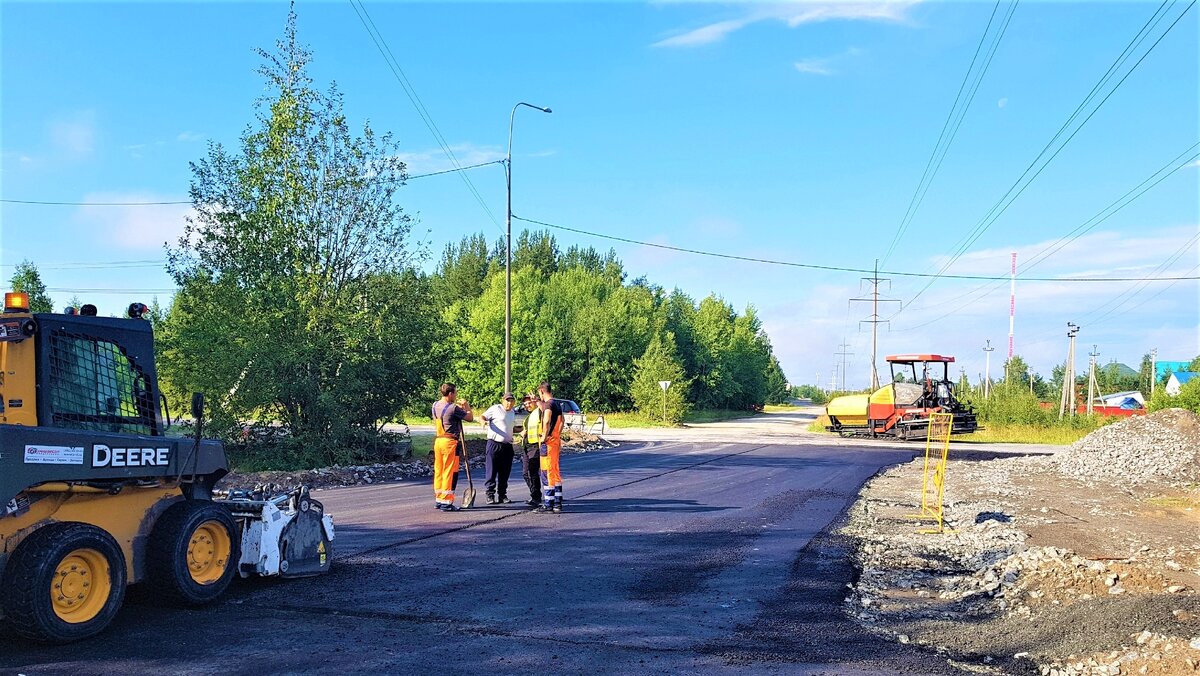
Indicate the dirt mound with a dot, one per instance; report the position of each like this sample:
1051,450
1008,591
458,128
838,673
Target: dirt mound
1164,445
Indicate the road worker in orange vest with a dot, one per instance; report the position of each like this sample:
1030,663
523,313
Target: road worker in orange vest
448,417
550,422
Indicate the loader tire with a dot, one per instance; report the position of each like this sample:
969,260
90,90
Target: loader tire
65,582
192,553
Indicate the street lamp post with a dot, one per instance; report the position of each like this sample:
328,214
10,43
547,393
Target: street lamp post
508,250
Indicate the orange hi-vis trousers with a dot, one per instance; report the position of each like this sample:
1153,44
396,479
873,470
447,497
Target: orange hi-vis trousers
548,455
445,469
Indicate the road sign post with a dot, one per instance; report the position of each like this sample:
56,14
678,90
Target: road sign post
664,384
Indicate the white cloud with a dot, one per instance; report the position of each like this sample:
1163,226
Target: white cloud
792,14
431,160
1002,102
188,136
135,227
74,135
825,65
814,66
1194,164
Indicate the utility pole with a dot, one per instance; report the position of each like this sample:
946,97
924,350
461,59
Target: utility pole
1093,386
508,249
1068,386
843,353
1153,370
987,370
874,321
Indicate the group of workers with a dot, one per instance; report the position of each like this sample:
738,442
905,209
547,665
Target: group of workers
541,441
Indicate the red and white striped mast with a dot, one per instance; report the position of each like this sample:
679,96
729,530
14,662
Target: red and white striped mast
1012,303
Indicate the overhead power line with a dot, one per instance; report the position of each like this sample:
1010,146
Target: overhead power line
94,264
147,204
980,292
954,120
834,268
1026,178
394,65
115,291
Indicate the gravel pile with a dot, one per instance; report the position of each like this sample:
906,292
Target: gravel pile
1160,446
1148,653
1051,575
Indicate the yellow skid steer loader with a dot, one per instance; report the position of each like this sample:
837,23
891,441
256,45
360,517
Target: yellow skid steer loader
94,496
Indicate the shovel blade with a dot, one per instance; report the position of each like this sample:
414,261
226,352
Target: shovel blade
468,498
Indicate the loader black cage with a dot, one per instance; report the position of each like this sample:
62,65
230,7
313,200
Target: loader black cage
98,375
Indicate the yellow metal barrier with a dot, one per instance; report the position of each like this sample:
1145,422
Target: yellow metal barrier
933,478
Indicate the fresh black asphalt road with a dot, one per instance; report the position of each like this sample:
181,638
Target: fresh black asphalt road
673,557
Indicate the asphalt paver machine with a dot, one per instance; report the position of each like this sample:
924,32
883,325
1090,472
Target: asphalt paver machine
94,496
920,387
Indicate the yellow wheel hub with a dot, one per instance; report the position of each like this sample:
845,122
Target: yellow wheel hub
81,586
208,552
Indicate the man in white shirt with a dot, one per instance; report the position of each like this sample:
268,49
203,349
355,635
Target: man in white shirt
500,420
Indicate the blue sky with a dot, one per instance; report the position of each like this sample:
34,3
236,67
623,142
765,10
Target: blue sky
792,131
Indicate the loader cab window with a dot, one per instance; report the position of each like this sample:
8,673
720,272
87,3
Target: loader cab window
95,386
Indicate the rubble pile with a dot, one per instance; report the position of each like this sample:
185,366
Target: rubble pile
327,477
1052,575
1014,570
1148,653
577,442
1163,445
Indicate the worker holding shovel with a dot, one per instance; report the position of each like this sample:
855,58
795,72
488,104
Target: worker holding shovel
448,416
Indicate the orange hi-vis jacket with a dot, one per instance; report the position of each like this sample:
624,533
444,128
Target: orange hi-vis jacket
445,458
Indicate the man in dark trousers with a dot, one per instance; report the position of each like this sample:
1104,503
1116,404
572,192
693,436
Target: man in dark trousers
529,452
500,420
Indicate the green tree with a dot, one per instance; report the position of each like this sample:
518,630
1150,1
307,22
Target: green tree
298,302
464,269
1016,372
26,278
1188,397
537,249
777,383
660,363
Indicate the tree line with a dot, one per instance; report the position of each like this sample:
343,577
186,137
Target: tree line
605,341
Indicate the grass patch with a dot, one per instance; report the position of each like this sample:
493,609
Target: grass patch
626,420
715,415
998,433
779,408
422,444
1175,501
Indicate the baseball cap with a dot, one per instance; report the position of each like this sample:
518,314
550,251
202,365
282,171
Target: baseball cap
509,395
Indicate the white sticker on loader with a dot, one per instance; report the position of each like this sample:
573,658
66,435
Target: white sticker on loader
53,455
103,456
